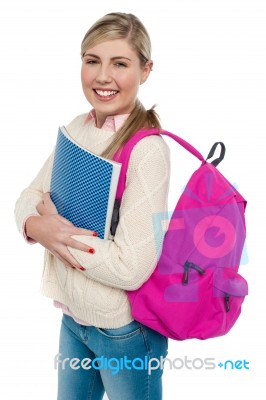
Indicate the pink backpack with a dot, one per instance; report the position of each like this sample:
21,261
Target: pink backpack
195,290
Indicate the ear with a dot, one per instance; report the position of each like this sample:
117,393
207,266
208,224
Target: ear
146,71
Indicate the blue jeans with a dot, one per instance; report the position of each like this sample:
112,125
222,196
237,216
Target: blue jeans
126,363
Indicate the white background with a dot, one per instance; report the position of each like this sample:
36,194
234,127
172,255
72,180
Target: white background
209,84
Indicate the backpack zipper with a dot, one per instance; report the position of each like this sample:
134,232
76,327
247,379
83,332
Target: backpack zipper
188,265
227,302
200,270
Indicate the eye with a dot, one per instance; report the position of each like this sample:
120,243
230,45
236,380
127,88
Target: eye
91,62
120,65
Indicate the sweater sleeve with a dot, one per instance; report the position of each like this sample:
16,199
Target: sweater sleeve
127,260
32,195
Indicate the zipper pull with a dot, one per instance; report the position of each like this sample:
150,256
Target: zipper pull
197,268
188,265
185,275
227,302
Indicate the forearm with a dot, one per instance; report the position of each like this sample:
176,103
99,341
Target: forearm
123,267
31,226
30,197
26,208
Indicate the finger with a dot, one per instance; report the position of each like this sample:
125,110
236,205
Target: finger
68,260
64,220
48,203
46,197
82,231
77,245
66,263
76,230
40,208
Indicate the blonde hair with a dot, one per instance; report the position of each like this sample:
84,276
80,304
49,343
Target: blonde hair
124,26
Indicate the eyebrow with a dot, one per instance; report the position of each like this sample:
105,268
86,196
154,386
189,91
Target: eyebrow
113,58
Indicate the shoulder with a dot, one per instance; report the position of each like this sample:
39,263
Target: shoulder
150,153
77,123
153,146
149,166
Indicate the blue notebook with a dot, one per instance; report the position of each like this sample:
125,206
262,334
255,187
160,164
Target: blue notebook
83,185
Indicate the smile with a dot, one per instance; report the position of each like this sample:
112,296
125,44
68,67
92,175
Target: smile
106,93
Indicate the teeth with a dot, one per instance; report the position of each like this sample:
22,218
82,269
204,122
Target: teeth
106,93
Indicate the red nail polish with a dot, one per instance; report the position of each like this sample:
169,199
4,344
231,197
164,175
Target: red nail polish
82,269
95,234
92,251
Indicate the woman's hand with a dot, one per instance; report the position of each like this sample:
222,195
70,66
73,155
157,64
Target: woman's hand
55,233
46,207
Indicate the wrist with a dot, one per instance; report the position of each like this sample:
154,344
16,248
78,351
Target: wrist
30,226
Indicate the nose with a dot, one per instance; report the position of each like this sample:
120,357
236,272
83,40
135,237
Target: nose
103,75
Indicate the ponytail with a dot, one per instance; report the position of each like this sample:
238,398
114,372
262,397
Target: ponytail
139,118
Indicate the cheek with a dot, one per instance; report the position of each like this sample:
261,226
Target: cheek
130,82
85,77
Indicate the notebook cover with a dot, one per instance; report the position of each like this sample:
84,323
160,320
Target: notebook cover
83,185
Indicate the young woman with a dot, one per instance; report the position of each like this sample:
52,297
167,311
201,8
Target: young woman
102,349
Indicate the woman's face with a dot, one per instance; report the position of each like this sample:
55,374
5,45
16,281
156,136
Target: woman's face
111,74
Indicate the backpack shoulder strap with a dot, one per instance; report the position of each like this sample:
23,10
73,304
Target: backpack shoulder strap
124,155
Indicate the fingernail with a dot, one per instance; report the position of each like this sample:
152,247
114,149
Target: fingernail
92,251
82,269
95,234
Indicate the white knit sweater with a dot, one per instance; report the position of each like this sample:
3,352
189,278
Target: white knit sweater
123,262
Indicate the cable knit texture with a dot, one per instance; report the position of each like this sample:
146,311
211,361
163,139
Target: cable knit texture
120,263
